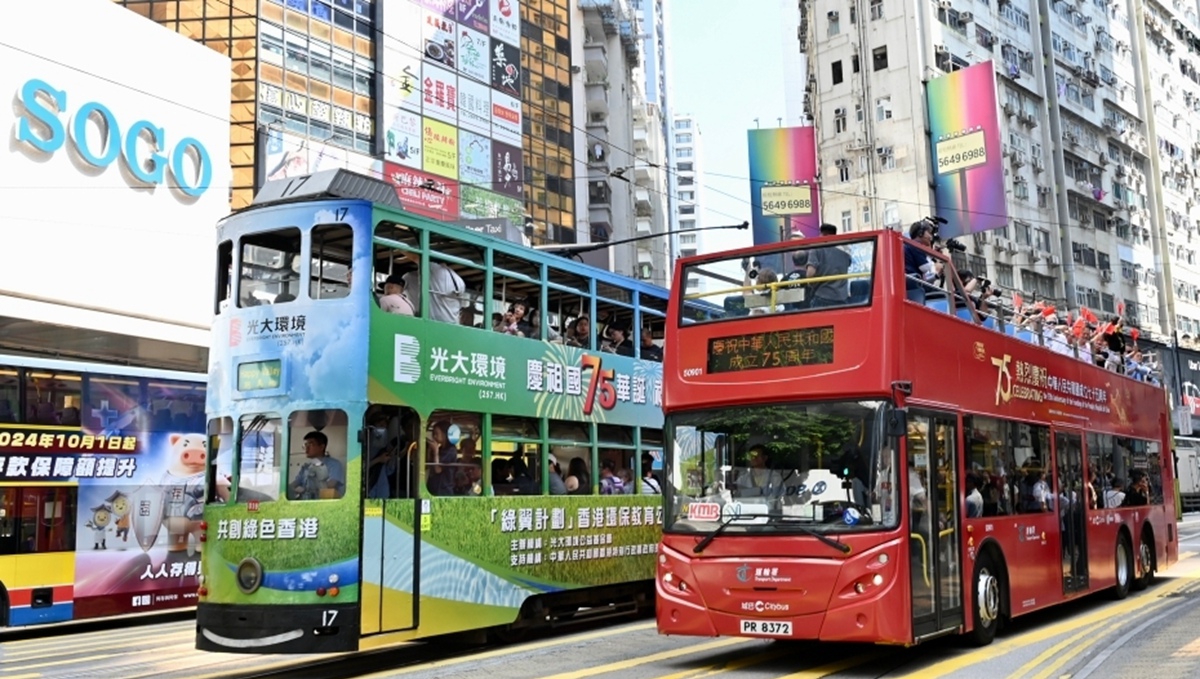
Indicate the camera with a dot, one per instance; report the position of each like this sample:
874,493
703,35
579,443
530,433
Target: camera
751,268
954,246
985,288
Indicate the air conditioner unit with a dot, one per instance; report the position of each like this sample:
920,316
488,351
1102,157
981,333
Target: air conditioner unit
1106,275
1055,260
966,17
839,111
1010,109
1038,165
942,49
833,15
1104,160
945,4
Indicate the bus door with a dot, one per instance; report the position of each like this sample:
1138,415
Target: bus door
391,534
936,571
1071,502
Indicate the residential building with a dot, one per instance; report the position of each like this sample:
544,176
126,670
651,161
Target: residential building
689,177
1094,101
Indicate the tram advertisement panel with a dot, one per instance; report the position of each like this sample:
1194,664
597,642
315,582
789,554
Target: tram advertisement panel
432,365
137,510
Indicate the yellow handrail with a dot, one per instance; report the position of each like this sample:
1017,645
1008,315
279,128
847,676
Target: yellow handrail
925,553
777,284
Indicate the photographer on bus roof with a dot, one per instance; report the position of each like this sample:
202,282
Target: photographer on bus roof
920,270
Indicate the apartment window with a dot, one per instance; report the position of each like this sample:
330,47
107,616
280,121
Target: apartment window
883,109
854,63
858,113
887,158
839,120
687,209
1004,275
847,221
683,124
1107,304
844,172
683,153
835,24
1127,270
1021,189
687,239
685,224
879,60
984,37
1024,234
836,70
866,215
683,167
687,195
1103,261
686,181
1043,240
891,214
876,9
685,138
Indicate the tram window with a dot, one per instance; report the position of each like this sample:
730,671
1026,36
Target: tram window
38,520
259,458
614,327
317,445
572,447
270,268
224,274
329,270
566,303
453,464
51,397
391,452
516,468
651,454
452,286
515,307
10,395
115,404
219,475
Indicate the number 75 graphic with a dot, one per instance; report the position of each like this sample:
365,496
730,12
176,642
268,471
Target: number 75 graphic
600,385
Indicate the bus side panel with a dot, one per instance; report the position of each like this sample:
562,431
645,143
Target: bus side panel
40,587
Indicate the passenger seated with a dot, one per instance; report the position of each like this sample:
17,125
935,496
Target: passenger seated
650,350
1138,493
579,333
321,476
394,300
617,342
514,322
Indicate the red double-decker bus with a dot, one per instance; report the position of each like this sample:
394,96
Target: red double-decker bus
845,463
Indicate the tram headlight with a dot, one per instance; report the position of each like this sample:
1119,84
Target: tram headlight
249,575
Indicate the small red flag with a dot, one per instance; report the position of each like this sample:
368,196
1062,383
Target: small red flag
1120,308
1017,301
1091,317
1048,311
1134,333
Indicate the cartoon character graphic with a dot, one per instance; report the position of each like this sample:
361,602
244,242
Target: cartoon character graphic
183,493
101,517
121,509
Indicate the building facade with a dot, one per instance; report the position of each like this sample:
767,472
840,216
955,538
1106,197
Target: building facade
1099,146
467,107
688,161
112,180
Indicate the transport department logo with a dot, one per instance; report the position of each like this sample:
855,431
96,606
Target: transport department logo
407,369
743,573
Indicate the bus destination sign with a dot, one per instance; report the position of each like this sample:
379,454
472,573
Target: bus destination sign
773,349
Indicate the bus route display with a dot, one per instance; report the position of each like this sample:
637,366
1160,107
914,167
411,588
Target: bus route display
773,349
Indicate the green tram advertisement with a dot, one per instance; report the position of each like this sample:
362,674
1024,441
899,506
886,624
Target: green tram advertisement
415,429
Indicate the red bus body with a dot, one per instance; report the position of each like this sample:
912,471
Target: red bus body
950,374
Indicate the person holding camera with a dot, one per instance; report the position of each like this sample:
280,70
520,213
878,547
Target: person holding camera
920,270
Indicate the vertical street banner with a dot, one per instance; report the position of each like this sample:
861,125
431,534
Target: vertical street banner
783,184
965,145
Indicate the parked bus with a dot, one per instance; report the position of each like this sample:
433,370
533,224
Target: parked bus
847,465
101,477
379,475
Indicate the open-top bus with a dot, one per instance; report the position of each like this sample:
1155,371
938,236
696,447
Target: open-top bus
845,464
101,473
377,476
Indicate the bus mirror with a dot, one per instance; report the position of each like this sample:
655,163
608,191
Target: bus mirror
897,422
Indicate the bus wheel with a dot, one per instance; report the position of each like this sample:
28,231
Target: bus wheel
1124,560
986,606
1145,562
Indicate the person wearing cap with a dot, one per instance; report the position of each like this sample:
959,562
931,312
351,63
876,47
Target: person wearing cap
557,485
394,300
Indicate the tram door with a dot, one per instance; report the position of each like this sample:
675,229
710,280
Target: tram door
391,527
936,570
1071,502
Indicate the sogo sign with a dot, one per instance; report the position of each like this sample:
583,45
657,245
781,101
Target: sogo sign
35,95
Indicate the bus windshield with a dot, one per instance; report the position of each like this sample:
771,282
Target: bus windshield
823,466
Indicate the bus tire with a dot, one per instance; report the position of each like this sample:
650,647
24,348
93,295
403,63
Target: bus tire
1124,566
1144,566
987,600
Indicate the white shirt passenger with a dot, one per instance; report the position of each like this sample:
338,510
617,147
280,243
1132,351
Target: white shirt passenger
445,292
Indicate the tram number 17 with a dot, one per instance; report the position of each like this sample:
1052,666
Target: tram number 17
327,618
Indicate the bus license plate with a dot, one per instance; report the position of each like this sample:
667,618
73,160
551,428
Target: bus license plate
767,628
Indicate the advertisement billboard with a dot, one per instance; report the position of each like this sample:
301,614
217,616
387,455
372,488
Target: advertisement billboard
783,184
290,155
451,106
966,151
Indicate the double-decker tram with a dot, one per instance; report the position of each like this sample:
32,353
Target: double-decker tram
101,489
417,429
853,457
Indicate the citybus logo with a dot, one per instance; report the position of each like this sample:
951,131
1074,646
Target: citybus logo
188,161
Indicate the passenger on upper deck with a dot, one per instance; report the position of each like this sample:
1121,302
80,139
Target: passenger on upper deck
650,350
394,301
618,343
445,289
827,262
514,322
918,265
579,332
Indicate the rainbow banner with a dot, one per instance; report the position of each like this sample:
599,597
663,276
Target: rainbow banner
783,184
968,164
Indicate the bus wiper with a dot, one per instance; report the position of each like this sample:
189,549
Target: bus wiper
843,547
721,529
